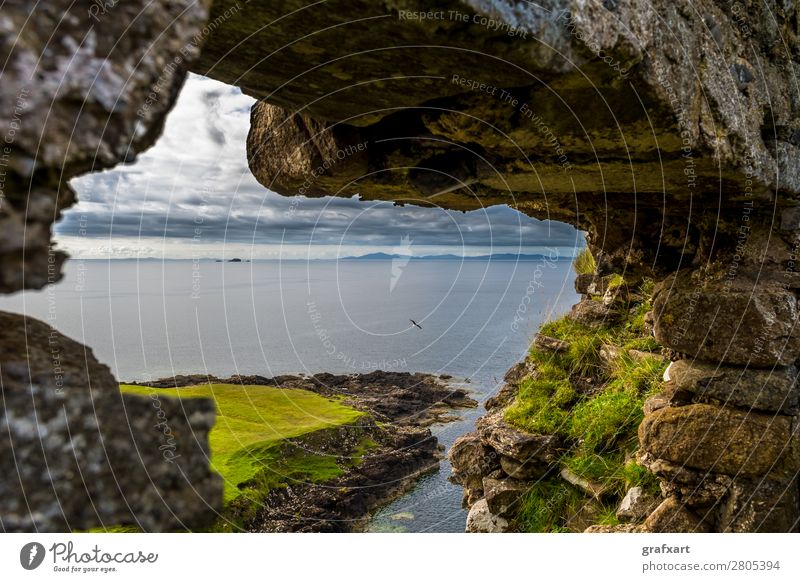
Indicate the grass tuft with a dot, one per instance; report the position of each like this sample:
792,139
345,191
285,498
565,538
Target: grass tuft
601,421
541,406
545,505
584,263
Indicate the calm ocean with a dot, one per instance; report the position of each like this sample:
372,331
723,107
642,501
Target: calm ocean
148,319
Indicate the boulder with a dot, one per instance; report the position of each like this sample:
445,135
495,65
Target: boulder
762,505
771,390
593,313
722,440
82,454
520,446
591,284
609,354
504,397
519,371
481,520
673,517
471,496
636,505
694,488
550,344
471,461
655,402
585,284
503,495
743,324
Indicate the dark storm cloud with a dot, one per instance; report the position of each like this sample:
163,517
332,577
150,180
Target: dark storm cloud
197,184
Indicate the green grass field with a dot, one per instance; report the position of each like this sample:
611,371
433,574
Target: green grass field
252,424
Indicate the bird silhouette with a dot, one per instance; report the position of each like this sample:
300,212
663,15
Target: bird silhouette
415,323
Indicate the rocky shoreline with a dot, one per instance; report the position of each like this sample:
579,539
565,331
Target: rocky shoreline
503,467
400,407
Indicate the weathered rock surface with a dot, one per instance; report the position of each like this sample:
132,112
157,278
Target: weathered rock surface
84,455
519,371
688,129
503,397
593,313
694,488
471,460
591,284
592,489
622,528
722,440
481,520
550,344
520,446
672,516
636,505
667,131
508,391
764,505
771,390
528,471
503,495
751,324
82,91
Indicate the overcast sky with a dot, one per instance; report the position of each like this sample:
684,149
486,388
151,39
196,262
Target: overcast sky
196,180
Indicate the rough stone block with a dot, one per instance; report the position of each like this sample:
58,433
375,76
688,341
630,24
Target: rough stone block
761,506
82,454
471,461
636,505
593,313
673,517
550,344
520,446
718,439
503,495
591,284
774,390
741,324
481,520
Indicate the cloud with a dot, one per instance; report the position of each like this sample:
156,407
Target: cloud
193,187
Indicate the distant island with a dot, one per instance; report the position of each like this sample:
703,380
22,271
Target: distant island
367,257
494,257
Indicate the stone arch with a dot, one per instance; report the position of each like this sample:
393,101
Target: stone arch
694,184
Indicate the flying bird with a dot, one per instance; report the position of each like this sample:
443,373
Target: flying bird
415,323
